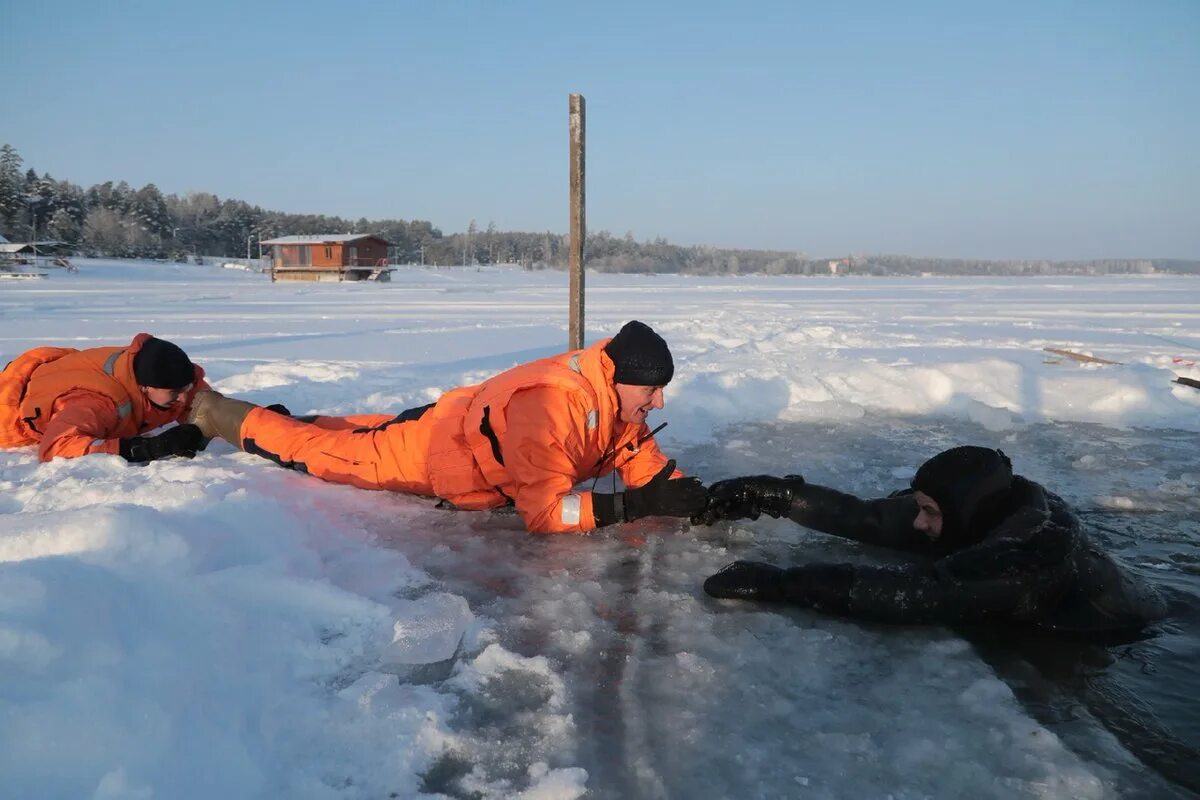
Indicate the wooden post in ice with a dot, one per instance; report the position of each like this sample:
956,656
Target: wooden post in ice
578,222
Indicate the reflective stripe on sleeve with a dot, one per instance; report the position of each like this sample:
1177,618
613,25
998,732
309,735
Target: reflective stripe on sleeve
572,508
110,364
110,368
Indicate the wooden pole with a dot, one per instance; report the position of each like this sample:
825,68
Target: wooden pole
576,126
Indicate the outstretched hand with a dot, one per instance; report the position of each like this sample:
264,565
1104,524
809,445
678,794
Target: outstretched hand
749,498
746,580
182,440
728,499
823,586
664,496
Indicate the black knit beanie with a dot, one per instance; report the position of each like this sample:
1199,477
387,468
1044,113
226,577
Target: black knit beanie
162,365
971,486
641,356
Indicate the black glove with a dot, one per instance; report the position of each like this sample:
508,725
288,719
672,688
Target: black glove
279,408
747,580
661,496
824,586
747,498
182,440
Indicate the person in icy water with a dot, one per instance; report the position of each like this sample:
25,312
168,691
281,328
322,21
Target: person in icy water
524,437
998,548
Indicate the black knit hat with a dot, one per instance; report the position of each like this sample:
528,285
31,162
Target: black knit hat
162,365
641,356
971,486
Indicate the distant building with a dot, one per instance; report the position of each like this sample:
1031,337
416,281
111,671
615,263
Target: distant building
15,252
839,266
329,257
42,248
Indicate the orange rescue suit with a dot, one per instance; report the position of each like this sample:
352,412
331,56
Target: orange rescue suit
528,435
76,402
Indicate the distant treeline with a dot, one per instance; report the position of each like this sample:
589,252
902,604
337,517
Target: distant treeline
116,220
910,265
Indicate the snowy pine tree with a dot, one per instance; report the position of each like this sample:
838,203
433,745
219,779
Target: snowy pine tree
62,226
12,190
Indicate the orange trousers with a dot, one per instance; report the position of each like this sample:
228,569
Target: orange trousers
370,451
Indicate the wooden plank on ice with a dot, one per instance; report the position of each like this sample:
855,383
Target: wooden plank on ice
1195,384
1080,357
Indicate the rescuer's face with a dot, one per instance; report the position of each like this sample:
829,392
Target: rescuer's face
165,399
638,401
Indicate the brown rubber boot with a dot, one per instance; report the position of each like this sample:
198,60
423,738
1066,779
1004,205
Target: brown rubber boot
218,415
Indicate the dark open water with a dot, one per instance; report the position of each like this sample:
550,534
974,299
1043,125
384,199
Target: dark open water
614,613
1137,494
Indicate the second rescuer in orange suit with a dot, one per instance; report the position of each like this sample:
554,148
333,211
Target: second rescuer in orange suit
526,436
73,403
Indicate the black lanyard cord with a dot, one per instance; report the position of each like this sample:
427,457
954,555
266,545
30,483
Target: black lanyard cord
612,454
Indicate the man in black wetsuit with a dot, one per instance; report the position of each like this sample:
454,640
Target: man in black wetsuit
996,548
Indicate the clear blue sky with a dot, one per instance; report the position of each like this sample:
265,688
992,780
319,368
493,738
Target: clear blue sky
1017,129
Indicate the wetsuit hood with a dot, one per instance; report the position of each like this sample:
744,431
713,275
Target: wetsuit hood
972,487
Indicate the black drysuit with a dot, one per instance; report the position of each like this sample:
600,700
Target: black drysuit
1033,565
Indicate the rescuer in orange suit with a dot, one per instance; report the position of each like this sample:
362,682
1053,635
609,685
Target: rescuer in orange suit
524,437
77,402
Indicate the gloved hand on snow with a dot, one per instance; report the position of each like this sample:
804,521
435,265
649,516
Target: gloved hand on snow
182,440
824,586
747,580
749,497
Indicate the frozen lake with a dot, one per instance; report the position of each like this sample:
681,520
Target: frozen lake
221,627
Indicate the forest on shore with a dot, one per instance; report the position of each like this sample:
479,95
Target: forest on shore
115,220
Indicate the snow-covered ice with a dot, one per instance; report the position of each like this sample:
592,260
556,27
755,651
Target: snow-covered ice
223,628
